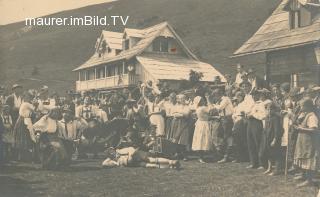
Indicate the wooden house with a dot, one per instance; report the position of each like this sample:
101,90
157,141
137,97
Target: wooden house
290,40
152,54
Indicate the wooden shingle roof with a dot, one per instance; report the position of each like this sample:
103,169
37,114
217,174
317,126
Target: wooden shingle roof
276,34
149,34
113,39
172,67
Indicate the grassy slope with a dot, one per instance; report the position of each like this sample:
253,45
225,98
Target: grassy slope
213,29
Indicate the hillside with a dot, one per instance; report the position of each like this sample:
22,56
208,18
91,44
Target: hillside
212,29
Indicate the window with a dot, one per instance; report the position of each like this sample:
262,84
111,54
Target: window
295,19
91,74
126,44
301,15
160,44
118,51
82,75
110,71
100,73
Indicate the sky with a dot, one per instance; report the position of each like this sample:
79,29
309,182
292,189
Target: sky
17,10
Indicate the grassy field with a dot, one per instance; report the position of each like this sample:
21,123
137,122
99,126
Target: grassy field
87,178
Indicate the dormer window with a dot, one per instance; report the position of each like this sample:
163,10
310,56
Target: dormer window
160,44
301,13
295,19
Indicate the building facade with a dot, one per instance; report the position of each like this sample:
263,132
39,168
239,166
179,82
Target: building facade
154,54
290,40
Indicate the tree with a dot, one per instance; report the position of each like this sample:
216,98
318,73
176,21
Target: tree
195,77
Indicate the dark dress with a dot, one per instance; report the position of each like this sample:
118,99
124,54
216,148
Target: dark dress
21,134
273,130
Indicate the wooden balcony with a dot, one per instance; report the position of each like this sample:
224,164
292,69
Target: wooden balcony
108,82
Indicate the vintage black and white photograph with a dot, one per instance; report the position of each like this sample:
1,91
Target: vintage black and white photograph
152,98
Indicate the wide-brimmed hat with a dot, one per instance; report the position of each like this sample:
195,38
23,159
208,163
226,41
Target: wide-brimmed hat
14,86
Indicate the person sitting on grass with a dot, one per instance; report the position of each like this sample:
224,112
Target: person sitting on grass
134,157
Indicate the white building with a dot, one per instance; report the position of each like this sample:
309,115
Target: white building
156,53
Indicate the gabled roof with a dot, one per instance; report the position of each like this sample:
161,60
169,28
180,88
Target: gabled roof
113,39
150,34
276,34
172,67
138,33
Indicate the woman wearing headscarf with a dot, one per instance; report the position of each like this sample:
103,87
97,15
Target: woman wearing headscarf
53,152
307,152
181,124
23,134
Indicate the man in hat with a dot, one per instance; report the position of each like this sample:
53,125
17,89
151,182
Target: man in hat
86,110
71,129
240,73
14,101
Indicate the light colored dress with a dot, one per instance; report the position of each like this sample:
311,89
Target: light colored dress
202,139
156,118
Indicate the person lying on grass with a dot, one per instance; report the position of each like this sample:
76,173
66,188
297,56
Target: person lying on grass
133,157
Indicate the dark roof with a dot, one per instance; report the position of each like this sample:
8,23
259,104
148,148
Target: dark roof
276,34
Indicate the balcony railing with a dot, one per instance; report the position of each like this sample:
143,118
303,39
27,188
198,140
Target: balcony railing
108,82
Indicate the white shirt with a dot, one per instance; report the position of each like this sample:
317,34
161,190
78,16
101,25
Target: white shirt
259,111
46,124
238,79
225,106
241,107
44,108
17,101
249,102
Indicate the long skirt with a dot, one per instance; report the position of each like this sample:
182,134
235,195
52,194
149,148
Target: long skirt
169,133
21,136
202,139
158,121
181,131
307,152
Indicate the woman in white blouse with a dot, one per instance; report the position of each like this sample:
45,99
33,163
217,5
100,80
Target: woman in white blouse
23,131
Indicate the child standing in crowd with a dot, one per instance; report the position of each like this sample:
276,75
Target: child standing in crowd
273,134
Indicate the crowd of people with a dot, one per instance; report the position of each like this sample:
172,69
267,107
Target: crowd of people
274,127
